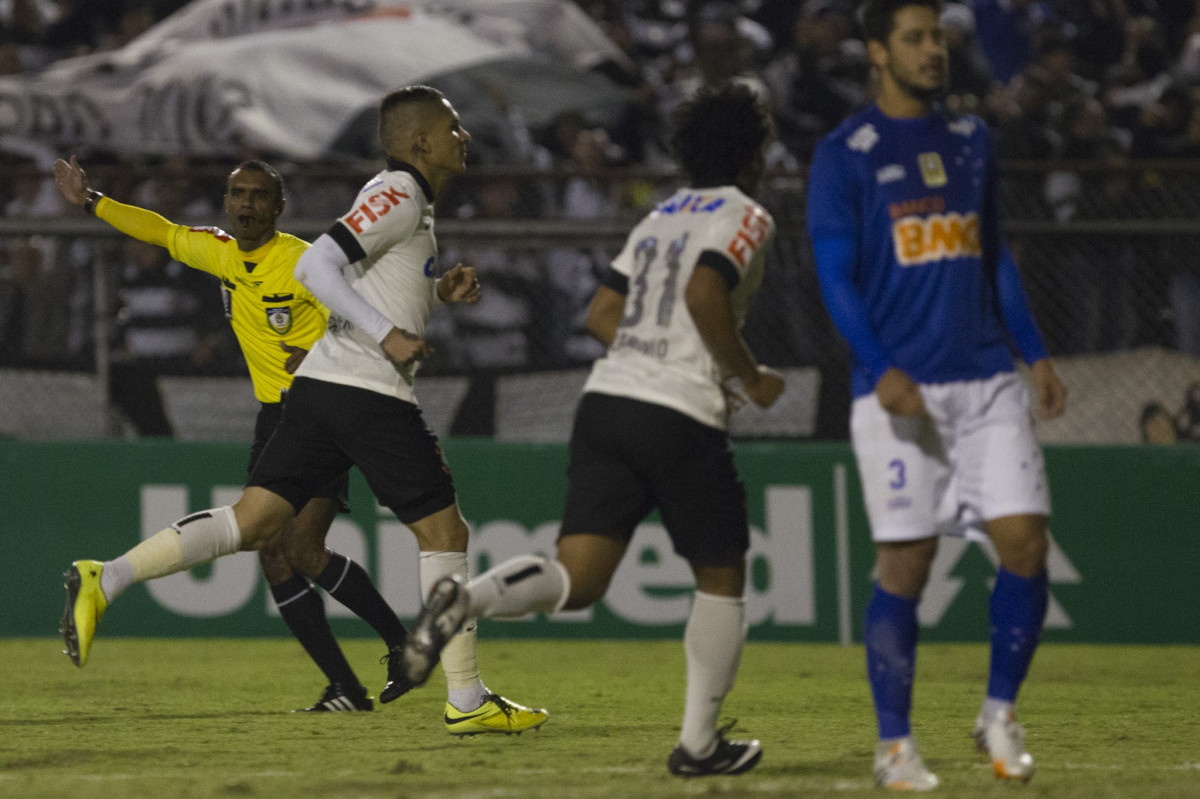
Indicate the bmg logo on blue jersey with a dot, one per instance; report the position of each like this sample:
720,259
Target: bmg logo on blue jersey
922,239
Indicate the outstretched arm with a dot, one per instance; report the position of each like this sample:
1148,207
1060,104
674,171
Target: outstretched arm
129,219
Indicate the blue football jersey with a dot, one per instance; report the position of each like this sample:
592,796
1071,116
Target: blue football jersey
918,199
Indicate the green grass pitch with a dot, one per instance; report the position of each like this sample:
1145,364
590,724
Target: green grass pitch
209,718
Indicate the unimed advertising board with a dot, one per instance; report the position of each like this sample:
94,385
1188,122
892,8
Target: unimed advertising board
1122,561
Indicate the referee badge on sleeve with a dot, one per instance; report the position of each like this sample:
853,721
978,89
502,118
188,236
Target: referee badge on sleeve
280,319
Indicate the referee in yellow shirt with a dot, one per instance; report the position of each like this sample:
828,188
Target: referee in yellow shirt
276,320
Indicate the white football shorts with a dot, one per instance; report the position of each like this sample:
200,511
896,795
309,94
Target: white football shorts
972,459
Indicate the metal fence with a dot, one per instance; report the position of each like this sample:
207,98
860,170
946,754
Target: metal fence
1110,256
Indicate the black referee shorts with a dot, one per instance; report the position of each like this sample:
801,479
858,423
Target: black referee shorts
265,423
326,428
629,457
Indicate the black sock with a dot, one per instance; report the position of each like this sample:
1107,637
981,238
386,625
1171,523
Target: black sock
348,583
304,613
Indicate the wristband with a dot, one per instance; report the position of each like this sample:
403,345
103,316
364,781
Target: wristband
93,197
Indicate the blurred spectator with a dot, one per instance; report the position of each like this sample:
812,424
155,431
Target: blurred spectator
1168,127
167,319
499,331
720,52
1141,76
133,19
820,79
1157,425
970,74
177,191
1098,304
32,188
1099,33
1054,68
1188,422
34,316
1021,116
23,25
166,311
1005,30
573,273
1183,296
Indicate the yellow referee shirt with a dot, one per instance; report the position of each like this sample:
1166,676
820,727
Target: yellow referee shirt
266,305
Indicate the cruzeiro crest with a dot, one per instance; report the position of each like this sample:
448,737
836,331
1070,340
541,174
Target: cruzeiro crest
280,318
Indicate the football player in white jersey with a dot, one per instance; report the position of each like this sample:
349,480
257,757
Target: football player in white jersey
352,404
255,264
650,429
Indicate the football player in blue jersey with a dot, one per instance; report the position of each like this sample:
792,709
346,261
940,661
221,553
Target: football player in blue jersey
903,216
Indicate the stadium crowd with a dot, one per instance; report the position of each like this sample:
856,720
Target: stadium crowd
1083,82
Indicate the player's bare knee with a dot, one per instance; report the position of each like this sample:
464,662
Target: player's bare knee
443,531
902,568
584,595
587,586
304,555
1022,543
273,562
260,514
721,579
1025,556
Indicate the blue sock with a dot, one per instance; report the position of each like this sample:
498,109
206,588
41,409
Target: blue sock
1016,611
890,635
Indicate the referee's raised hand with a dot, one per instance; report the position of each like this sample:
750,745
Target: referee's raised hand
71,181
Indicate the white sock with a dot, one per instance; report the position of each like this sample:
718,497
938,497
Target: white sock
464,688
712,640
195,539
994,707
521,585
116,577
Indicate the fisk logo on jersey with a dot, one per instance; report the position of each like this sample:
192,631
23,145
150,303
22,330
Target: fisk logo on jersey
375,206
922,239
755,225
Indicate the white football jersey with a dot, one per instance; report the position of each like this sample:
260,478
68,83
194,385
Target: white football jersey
392,221
658,355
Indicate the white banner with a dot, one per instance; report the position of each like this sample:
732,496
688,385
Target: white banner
287,78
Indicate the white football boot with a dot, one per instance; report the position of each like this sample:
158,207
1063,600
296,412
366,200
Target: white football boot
898,767
1003,739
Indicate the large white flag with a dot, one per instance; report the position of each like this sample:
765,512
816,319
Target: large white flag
289,78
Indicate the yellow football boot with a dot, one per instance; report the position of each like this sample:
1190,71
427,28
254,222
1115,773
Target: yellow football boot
85,607
496,714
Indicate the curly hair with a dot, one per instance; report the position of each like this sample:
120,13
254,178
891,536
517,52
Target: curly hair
719,133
